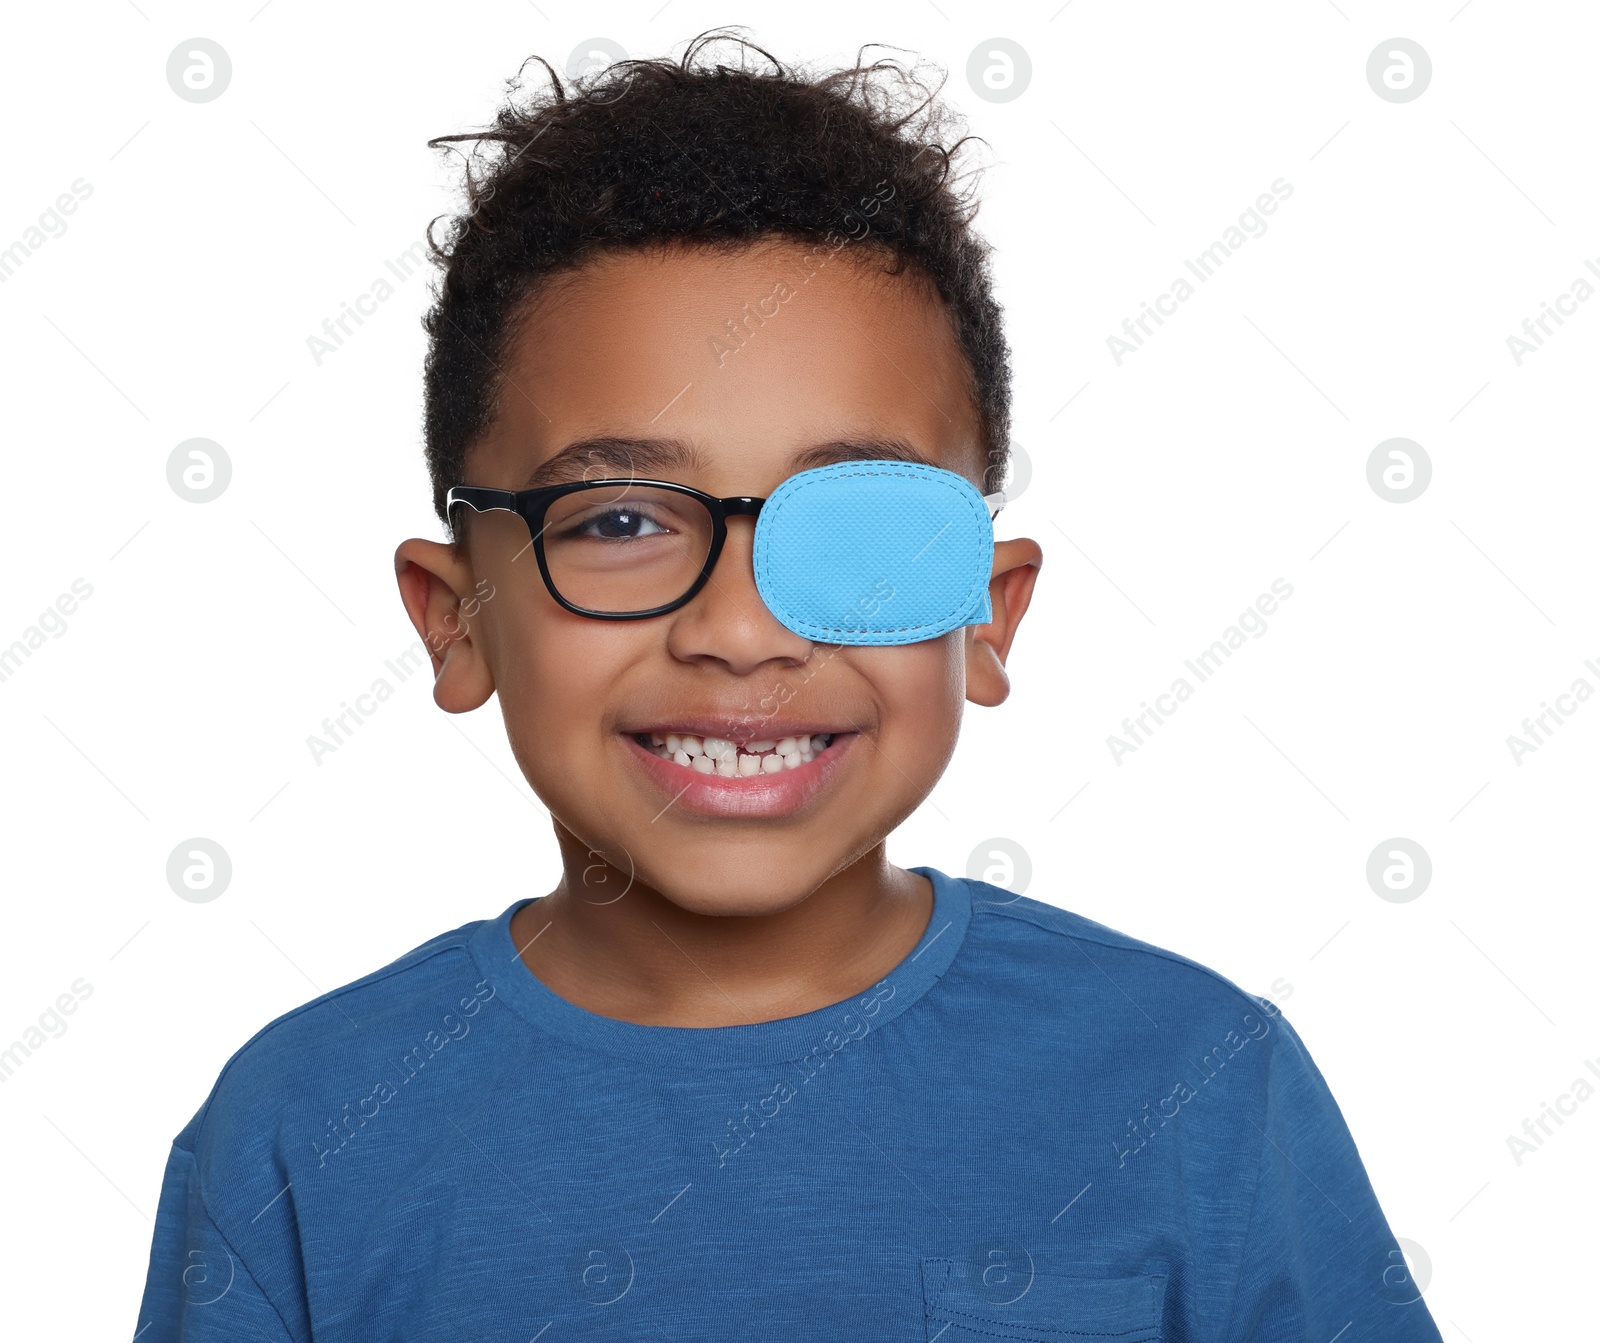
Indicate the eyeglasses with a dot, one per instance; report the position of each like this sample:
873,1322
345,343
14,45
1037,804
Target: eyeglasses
862,552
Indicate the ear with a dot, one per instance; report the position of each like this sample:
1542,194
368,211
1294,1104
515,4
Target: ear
1016,567
437,588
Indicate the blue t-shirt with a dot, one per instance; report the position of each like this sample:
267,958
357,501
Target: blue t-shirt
1034,1128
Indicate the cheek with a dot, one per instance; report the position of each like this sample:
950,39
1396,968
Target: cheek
920,689
554,672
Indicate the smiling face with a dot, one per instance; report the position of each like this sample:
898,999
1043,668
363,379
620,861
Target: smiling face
731,764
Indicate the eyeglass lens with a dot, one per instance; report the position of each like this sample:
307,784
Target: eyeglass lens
625,548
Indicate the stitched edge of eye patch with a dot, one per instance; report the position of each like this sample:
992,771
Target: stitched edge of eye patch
979,562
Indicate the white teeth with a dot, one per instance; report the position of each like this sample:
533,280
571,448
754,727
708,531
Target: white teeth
719,756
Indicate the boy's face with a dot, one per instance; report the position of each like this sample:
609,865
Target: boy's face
638,347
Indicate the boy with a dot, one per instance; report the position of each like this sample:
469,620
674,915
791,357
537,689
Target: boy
717,406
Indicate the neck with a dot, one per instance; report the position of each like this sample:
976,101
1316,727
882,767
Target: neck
611,943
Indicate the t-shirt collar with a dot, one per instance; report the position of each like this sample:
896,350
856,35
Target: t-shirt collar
786,1038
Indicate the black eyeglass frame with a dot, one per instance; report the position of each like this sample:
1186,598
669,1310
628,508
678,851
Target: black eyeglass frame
532,505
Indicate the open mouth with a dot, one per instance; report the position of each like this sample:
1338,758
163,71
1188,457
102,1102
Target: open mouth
735,760
717,766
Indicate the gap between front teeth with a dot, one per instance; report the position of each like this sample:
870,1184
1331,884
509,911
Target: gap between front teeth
713,755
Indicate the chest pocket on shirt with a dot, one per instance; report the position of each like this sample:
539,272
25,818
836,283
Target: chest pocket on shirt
1053,1309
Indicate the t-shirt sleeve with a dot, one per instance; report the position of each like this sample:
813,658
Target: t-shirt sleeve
198,1289
1320,1261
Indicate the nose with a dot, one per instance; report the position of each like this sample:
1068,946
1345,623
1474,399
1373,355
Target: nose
727,622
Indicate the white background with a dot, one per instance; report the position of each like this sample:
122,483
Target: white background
1229,451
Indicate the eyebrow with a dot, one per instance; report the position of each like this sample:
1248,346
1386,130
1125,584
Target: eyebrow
612,457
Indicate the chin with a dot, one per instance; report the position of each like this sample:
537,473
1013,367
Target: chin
735,898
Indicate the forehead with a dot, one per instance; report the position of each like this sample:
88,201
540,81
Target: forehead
750,358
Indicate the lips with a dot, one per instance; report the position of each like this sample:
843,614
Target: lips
715,776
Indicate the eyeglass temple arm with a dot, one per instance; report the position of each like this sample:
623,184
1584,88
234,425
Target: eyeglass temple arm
480,498
996,501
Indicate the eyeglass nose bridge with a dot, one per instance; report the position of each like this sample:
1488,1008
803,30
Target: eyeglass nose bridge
741,506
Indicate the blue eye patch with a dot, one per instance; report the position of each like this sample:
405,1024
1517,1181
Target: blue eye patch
875,552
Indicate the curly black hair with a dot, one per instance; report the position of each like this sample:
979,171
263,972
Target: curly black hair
655,152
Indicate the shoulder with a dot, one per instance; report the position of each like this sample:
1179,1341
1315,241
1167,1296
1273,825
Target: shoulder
1047,937
309,1058
1075,984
